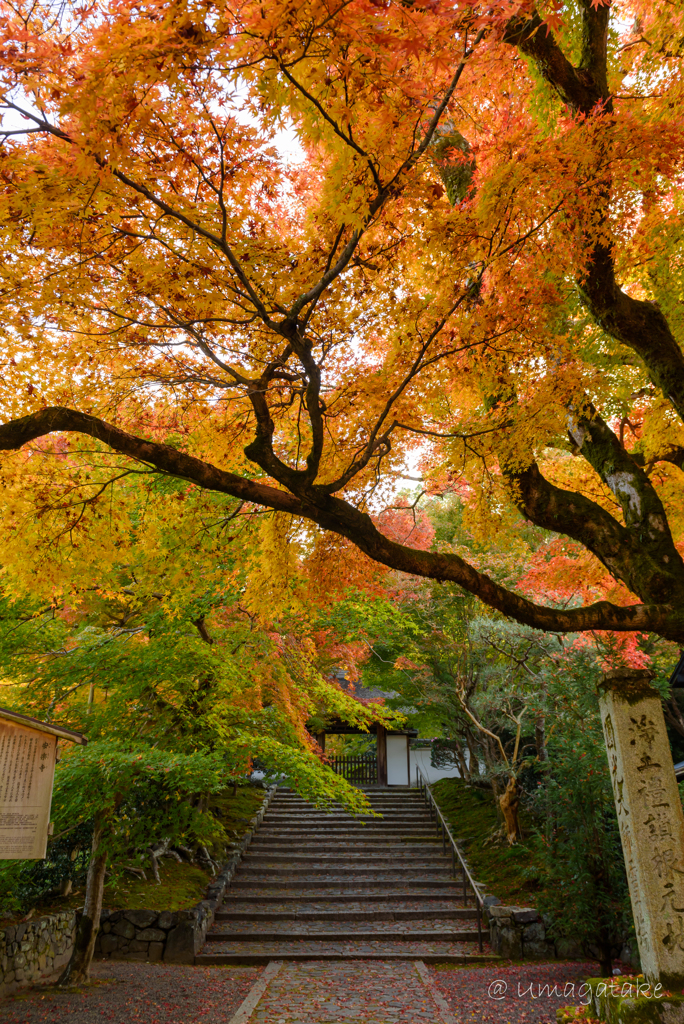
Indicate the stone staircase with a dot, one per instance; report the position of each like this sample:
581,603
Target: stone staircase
329,886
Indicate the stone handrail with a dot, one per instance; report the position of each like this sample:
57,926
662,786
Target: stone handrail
423,785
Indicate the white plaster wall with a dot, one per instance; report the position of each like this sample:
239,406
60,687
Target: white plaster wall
397,764
421,758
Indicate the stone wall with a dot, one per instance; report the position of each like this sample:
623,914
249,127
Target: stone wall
135,934
519,933
522,933
173,937
35,949
40,949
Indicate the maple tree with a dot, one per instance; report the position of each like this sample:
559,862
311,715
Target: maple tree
474,266
183,659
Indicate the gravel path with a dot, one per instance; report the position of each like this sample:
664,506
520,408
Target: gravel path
507,994
139,994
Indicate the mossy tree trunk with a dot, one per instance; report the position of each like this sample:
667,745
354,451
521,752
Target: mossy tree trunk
509,802
77,971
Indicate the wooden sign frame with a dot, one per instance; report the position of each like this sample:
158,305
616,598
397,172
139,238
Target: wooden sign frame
28,755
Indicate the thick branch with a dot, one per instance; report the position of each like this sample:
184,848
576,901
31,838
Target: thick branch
638,324
339,516
642,508
581,88
16,433
621,550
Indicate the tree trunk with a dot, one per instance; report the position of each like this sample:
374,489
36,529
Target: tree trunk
606,967
673,714
602,951
474,761
540,738
462,761
509,803
77,971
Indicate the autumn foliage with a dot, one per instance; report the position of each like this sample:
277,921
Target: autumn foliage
283,251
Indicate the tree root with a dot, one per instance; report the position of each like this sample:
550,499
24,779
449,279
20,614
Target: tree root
187,853
204,858
138,872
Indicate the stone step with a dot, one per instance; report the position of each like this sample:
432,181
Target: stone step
403,850
266,870
337,898
373,798
369,835
370,792
287,856
343,867
397,817
382,792
400,807
390,828
361,828
337,934
374,802
287,791
350,884
370,812
341,839
428,953
409,840
395,914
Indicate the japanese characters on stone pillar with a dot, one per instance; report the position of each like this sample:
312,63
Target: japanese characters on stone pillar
28,753
650,817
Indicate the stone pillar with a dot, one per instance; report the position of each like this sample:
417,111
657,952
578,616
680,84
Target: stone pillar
651,820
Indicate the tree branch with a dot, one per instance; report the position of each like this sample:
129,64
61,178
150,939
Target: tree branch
335,514
581,88
16,433
638,324
621,550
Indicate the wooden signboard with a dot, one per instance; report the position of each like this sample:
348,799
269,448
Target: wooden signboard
28,753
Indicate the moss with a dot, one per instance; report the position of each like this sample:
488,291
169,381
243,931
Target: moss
506,871
631,685
626,1000
451,155
182,885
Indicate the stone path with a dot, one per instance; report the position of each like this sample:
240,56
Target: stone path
371,993
408,992
329,886
314,992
